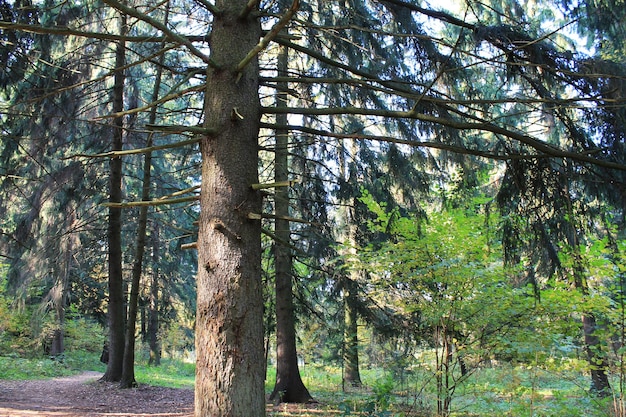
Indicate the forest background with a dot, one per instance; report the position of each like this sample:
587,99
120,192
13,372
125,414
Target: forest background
415,186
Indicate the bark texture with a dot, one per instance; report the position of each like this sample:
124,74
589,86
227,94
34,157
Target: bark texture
229,320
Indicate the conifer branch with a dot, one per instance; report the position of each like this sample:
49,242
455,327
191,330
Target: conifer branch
272,34
151,203
105,76
574,102
148,106
274,185
435,14
278,240
398,141
67,31
548,150
163,28
248,9
259,216
181,192
196,130
210,7
126,152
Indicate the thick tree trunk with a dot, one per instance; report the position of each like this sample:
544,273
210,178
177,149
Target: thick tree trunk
229,319
116,313
289,386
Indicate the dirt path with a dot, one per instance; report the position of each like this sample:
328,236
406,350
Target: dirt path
84,396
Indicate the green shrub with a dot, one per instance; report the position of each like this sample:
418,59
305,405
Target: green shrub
83,334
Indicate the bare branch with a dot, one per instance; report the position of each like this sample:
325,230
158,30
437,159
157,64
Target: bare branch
113,154
259,216
163,28
248,9
274,185
152,203
270,35
198,130
187,246
148,106
181,192
209,6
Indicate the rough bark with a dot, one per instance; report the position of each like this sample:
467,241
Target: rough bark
116,308
229,319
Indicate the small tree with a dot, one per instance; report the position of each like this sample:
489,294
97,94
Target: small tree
446,280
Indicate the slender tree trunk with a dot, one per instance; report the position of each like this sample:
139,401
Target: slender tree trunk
62,286
153,308
596,355
229,319
128,370
289,386
351,373
116,313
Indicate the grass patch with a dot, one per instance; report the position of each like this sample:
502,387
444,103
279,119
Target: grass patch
16,368
503,391
171,373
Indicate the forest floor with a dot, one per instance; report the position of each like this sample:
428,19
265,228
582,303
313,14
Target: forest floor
84,396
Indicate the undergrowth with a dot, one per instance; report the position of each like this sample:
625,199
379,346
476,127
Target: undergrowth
506,390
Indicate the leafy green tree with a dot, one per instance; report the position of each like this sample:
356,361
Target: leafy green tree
445,279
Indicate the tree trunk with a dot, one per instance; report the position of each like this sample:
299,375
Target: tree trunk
128,371
596,357
116,313
594,348
153,308
289,386
229,319
128,368
61,289
351,373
